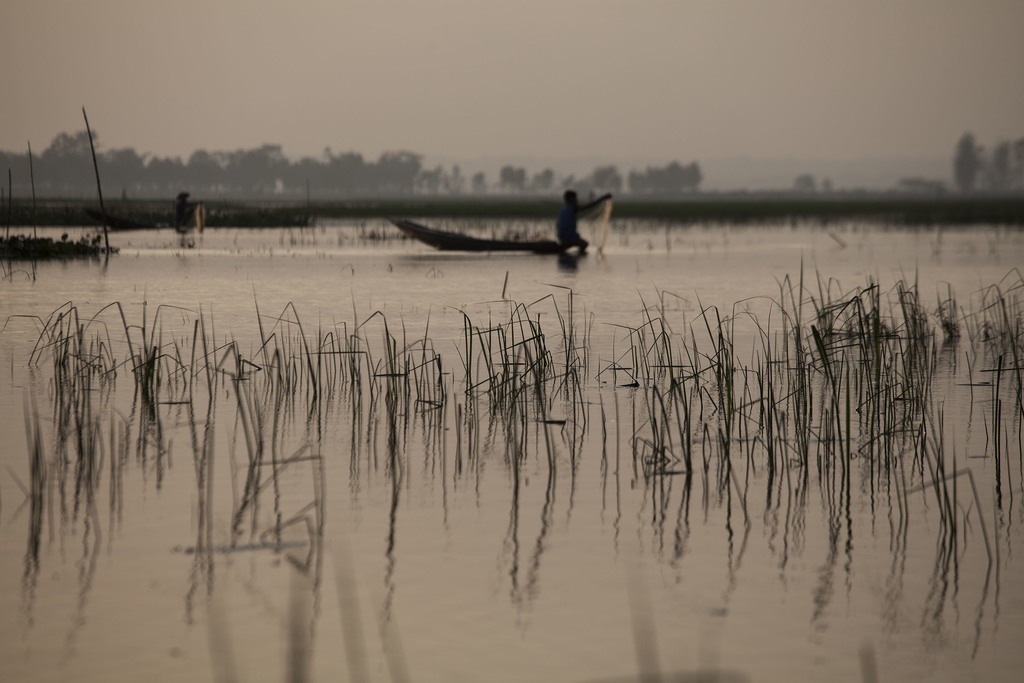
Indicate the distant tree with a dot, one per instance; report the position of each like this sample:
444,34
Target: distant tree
430,181
17,162
396,172
67,163
454,182
299,175
479,183
999,168
804,183
259,170
1018,164
921,186
346,174
605,179
966,163
512,179
672,179
67,145
166,176
122,168
206,169
543,181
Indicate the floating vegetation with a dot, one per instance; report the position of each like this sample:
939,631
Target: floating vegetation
29,248
150,213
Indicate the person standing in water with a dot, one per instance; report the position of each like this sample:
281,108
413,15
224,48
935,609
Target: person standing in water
188,215
183,211
568,233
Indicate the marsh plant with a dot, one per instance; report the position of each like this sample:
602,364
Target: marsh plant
838,391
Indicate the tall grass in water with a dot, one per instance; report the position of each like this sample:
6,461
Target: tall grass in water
838,393
847,389
851,380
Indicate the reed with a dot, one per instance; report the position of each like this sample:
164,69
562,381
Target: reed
836,396
9,201
32,182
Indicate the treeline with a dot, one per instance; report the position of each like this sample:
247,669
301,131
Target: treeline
64,169
976,168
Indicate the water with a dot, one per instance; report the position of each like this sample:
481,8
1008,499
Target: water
423,543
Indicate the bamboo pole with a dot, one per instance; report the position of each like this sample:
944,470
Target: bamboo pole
32,180
99,188
10,201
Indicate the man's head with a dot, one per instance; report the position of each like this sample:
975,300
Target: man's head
570,197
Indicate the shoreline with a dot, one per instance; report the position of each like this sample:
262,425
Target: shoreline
904,210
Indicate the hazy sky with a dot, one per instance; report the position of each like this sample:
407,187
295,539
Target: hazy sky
621,79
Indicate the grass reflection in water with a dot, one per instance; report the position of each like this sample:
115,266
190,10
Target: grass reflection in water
838,397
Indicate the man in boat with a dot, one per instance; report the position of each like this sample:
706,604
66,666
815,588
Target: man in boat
568,234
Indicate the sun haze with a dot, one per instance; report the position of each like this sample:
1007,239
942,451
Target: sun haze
688,79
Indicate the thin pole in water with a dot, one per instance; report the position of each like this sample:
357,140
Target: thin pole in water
99,188
10,197
32,180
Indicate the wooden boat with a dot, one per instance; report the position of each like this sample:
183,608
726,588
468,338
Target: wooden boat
451,241
116,222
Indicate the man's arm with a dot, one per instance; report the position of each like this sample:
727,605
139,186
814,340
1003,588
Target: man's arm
591,205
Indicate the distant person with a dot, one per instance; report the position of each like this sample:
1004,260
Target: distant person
183,211
568,234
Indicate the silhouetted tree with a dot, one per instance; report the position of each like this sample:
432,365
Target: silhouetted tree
512,179
966,163
166,176
206,169
672,179
124,169
479,182
454,182
65,167
804,183
346,173
1018,164
396,172
67,145
922,186
543,181
304,172
67,163
258,170
606,179
999,171
19,165
430,181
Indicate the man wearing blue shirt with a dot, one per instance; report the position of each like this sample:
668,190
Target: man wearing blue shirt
568,235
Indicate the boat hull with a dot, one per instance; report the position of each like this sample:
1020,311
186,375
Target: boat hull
116,222
450,241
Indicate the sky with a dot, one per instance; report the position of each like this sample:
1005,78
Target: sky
549,79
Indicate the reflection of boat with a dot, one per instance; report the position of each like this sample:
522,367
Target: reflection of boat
450,241
116,222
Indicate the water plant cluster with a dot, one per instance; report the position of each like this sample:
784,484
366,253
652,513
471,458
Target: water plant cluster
32,248
838,395
838,377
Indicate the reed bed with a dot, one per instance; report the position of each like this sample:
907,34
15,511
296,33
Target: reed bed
839,375
838,397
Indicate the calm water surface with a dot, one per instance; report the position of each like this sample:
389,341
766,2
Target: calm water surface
395,531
